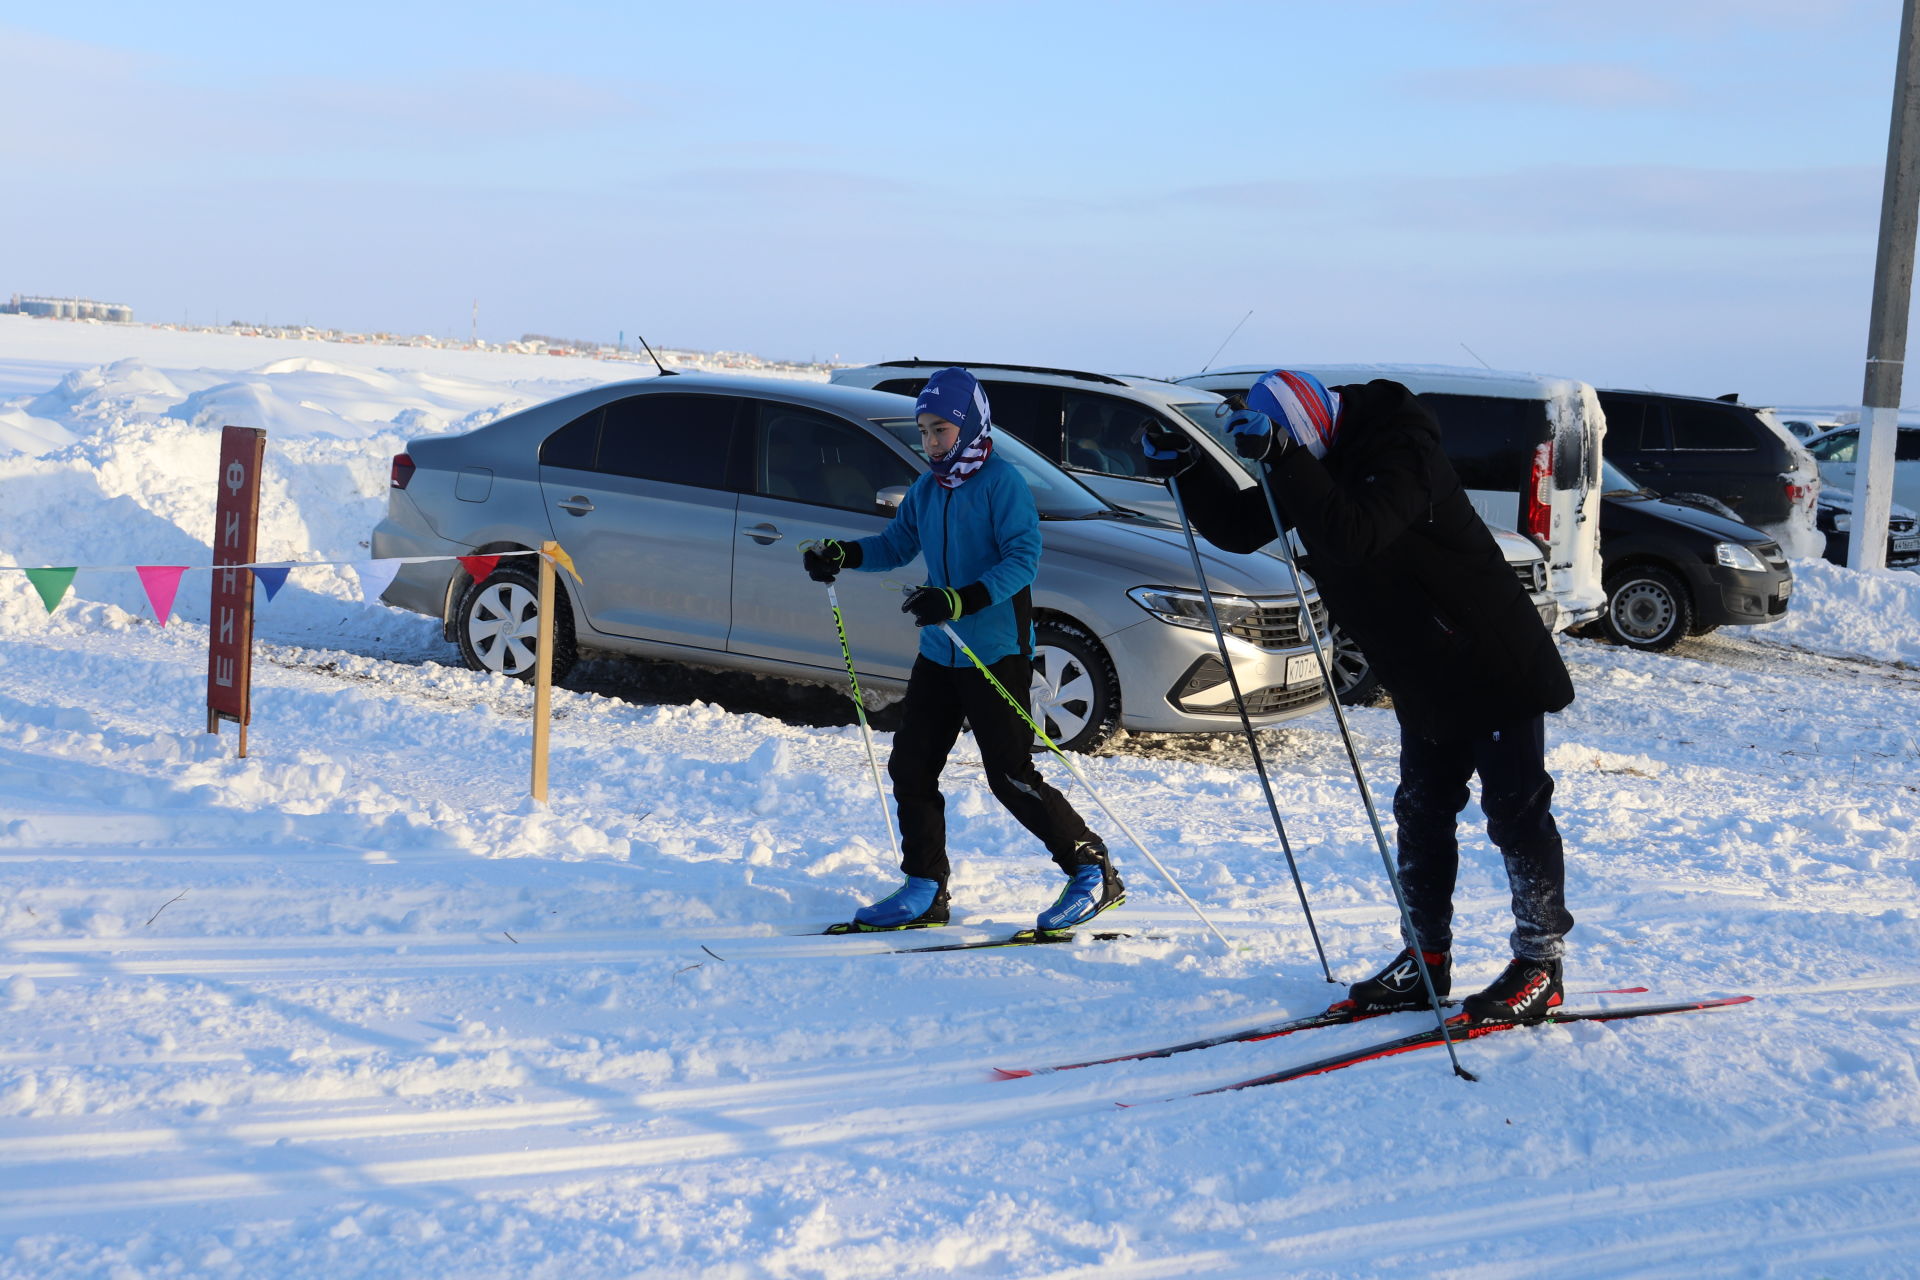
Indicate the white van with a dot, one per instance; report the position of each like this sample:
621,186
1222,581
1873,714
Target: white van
1526,447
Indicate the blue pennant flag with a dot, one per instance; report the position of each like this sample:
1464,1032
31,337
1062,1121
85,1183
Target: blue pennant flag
272,580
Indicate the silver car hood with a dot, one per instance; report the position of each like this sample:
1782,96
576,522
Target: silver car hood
1154,553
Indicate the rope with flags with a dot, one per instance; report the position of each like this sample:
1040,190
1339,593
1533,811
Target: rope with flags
162,581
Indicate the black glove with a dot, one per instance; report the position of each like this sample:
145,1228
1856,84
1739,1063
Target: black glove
1254,436
930,606
1168,452
825,559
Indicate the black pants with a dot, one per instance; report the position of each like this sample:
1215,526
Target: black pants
1516,792
938,699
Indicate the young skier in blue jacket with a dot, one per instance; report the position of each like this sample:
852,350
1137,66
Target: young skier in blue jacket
973,519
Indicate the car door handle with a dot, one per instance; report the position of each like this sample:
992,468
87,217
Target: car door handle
764,534
577,505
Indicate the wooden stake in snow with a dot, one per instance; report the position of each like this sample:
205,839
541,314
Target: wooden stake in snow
543,672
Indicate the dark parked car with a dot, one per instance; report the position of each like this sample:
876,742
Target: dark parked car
1673,570
1725,450
1836,521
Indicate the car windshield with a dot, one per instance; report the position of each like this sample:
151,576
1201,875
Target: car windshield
1058,495
1211,417
1615,481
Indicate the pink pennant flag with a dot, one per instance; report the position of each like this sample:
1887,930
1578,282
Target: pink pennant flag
162,582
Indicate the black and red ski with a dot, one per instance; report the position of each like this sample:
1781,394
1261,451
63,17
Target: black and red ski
1335,1015
1458,1030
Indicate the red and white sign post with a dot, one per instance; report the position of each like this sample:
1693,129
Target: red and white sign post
236,527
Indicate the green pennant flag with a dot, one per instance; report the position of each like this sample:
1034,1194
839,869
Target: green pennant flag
52,585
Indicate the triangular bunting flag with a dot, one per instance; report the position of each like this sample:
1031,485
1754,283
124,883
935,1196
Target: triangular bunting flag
375,576
162,582
272,578
52,585
479,568
565,561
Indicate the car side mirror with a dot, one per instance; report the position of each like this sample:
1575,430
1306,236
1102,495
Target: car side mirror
888,500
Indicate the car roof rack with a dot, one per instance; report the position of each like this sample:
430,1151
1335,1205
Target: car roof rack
1011,368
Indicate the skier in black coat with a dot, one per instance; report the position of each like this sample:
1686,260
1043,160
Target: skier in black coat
1411,573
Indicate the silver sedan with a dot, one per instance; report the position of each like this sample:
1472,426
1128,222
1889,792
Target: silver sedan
683,501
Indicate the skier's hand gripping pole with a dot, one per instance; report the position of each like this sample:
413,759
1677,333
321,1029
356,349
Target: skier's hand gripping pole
1246,721
1353,758
1074,769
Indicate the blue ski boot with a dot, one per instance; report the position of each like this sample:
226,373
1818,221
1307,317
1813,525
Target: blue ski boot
1093,886
917,904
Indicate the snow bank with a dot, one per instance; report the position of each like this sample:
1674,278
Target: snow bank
1849,613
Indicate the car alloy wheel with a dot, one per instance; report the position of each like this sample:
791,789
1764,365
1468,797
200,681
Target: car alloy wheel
1354,681
503,622
499,627
1647,608
1075,695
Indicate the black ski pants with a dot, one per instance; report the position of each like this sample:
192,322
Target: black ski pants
1516,791
939,698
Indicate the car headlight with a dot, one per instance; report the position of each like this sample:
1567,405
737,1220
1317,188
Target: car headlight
1843,521
1735,556
1189,608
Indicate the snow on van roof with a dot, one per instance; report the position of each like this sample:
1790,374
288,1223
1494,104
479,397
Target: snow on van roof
1459,379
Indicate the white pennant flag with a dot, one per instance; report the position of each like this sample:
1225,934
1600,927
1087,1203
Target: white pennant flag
376,576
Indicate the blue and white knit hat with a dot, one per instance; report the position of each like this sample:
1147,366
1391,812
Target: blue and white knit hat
956,395
1300,405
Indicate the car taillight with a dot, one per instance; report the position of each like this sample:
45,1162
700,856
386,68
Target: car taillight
1537,519
1798,493
402,470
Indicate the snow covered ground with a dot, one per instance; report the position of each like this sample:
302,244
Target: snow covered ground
355,1007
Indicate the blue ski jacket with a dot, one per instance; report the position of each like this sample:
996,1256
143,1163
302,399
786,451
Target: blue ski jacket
986,531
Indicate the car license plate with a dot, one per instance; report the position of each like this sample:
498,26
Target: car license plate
1908,543
1784,590
1302,668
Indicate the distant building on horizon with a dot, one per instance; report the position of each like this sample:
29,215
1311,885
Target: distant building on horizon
70,308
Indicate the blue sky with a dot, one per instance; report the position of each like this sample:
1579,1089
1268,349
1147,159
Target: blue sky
1681,195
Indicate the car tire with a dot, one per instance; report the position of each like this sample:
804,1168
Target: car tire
497,623
1354,680
1075,694
1648,608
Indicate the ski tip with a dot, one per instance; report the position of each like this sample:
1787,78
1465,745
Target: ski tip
1010,1073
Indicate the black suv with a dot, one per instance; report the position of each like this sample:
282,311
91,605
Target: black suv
1685,446
1673,570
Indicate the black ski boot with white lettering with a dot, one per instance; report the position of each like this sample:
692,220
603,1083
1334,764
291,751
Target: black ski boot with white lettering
1398,986
1526,992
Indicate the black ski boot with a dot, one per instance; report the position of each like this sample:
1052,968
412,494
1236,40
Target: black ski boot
1398,986
1526,992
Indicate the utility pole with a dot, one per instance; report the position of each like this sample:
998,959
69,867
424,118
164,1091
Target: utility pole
1892,291
474,340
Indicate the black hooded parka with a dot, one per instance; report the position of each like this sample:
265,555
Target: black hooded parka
1404,564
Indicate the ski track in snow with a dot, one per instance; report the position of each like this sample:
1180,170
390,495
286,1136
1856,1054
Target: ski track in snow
354,1007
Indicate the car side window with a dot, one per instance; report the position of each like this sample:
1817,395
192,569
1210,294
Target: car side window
1907,447
574,445
902,386
1633,426
1102,433
808,456
1489,439
1711,428
1836,448
676,439
1029,411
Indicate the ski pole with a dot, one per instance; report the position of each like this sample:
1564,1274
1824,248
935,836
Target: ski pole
1074,769
1246,721
860,710
1353,758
